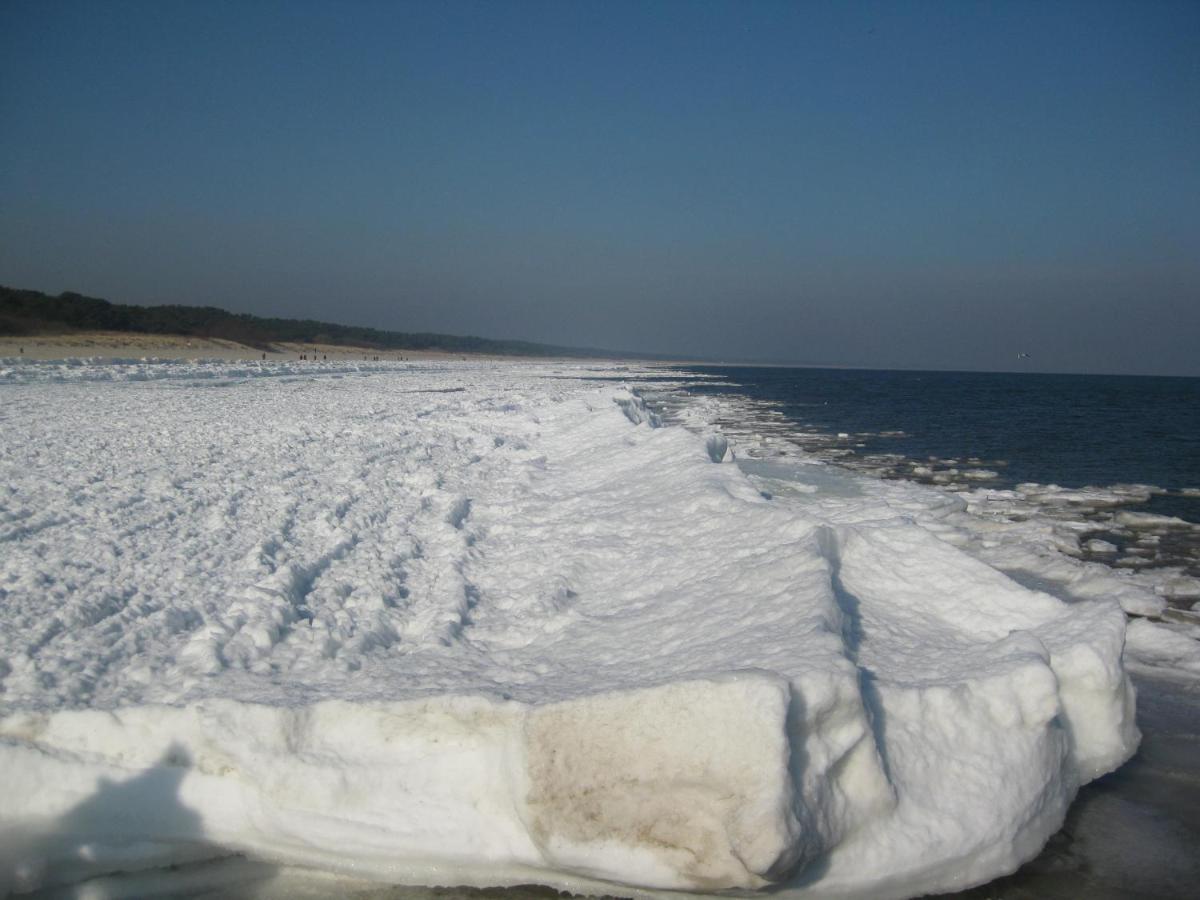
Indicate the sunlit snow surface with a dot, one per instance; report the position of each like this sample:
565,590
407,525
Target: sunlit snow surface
485,624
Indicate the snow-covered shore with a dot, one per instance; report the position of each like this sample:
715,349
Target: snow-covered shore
475,624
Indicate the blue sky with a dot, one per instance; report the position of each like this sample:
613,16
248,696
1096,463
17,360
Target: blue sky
938,185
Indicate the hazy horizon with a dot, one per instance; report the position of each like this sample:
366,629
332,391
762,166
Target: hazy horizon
932,186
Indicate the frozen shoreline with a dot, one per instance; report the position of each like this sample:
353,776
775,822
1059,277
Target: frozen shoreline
1043,536
1131,831
635,667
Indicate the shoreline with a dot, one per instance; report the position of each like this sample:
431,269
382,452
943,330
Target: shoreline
1103,846
113,345
1133,522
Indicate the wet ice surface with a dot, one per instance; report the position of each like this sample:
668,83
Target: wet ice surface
487,625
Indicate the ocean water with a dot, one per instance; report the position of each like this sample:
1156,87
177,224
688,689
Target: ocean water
1072,430
996,431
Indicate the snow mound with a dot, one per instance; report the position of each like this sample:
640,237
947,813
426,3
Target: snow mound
476,625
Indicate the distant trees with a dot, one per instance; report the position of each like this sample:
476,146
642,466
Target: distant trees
25,312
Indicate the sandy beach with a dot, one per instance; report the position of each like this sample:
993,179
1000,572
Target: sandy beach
125,345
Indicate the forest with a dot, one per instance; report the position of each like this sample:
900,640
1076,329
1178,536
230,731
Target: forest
29,312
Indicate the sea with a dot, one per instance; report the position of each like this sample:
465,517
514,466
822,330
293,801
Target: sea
1135,439
1073,430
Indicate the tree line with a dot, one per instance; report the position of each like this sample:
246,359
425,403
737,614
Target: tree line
27,312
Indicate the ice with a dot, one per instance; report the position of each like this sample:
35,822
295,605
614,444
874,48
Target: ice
718,448
404,788
1078,544
1114,495
1045,521
1159,647
1148,521
981,474
489,625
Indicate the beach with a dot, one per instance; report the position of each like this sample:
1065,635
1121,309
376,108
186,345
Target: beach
796,494
461,623
109,345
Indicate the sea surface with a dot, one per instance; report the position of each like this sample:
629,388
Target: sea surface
1072,430
999,431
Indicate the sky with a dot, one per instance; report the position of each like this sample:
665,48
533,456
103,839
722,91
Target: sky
929,185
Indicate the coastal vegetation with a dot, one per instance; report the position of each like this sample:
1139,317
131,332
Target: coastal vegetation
29,312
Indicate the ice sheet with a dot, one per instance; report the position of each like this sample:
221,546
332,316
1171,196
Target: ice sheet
489,625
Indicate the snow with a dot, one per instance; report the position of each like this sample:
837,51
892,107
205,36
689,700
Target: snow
493,624
1156,646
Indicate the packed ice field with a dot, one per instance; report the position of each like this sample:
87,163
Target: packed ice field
497,624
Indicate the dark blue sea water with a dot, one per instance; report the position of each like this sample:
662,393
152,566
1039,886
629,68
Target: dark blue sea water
1070,430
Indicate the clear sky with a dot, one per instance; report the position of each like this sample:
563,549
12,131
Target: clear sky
939,185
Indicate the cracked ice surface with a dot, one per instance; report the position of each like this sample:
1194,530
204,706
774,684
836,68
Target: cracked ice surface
482,624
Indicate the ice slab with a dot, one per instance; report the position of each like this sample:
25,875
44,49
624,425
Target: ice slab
682,785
